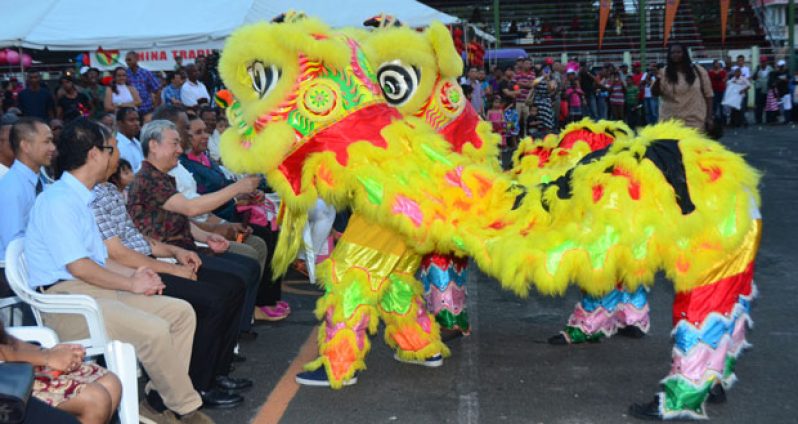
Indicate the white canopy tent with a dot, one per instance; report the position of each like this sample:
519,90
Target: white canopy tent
81,25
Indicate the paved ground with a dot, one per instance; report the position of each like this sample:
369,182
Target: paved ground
506,373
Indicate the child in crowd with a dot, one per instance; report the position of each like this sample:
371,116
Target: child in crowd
574,95
468,91
122,177
496,117
511,125
617,96
221,123
535,124
633,105
733,98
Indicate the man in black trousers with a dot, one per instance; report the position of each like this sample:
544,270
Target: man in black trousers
216,296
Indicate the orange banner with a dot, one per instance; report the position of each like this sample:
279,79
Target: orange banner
604,14
724,18
671,6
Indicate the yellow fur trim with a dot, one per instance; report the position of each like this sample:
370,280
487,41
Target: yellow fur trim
450,64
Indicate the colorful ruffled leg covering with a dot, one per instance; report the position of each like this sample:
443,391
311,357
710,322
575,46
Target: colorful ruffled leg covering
349,311
444,278
596,317
409,327
370,276
709,333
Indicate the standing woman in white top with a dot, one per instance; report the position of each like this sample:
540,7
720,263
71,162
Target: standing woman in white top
121,94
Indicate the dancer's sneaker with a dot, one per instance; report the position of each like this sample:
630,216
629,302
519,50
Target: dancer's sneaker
632,331
433,361
318,378
647,411
717,394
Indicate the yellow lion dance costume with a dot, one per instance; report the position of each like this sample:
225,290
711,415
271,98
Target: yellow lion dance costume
310,114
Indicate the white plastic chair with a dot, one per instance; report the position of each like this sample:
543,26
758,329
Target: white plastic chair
119,357
44,336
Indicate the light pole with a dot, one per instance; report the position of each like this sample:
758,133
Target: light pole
791,35
641,11
497,24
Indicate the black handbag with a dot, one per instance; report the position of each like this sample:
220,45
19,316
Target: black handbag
16,383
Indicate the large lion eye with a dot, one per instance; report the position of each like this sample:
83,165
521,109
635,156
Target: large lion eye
263,78
398,81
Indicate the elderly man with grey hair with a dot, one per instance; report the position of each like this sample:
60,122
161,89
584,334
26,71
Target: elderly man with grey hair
162,213
217,296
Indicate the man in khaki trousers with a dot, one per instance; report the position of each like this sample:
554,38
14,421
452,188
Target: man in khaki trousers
66,254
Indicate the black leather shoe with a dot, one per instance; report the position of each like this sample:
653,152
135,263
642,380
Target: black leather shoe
155,401
632,332
225,382
219,399
717,394
646,411
558,339
247,336
239,358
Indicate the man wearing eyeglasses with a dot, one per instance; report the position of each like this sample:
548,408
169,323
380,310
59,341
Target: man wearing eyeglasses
66,254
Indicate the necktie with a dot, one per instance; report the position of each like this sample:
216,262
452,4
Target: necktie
39,186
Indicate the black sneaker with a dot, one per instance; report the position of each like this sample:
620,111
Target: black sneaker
633,332
558,340
318,378
717,394
646,411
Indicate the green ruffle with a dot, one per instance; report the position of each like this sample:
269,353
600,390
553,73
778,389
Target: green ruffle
681,395
576,335
450,321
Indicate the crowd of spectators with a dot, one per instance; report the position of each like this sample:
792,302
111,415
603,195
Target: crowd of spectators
119,194
535,99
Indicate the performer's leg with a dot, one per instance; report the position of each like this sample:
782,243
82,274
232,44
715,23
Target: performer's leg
709,334
632,314
444,277
348,313
409,328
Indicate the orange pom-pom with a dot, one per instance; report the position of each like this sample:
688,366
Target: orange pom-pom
224,98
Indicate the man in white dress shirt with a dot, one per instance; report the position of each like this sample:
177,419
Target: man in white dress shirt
193,91
127,124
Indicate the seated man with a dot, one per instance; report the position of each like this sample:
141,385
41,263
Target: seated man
128,127
242,241
155,204
65,254
31,142
210,178
217,297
